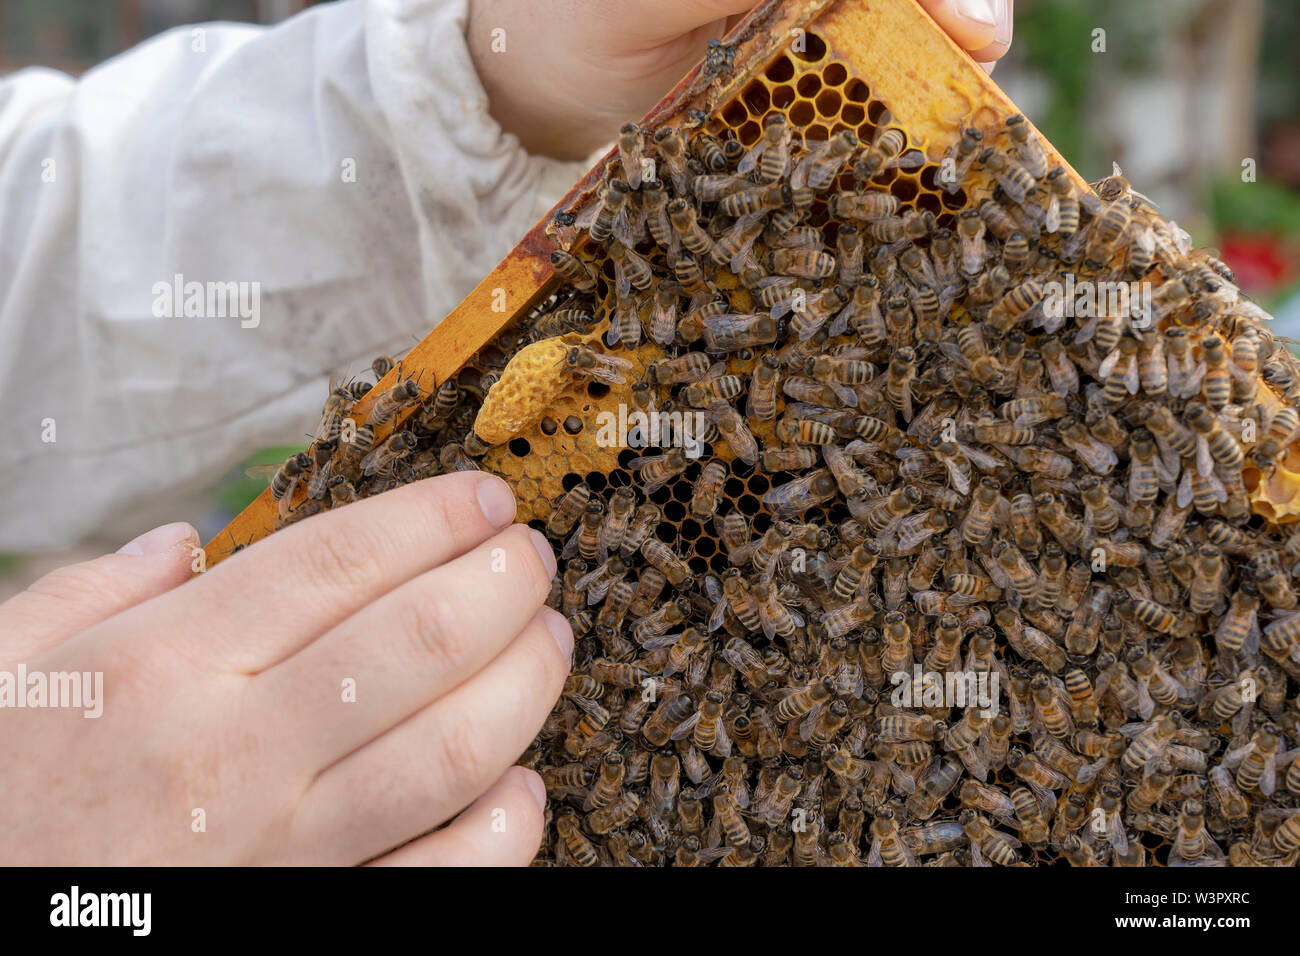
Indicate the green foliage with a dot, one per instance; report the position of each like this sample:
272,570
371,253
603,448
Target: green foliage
1258,207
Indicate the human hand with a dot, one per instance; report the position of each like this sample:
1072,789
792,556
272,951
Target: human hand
575,71
230,695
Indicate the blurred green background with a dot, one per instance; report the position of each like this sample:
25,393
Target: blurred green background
1183,93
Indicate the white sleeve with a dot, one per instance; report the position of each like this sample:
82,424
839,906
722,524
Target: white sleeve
336,182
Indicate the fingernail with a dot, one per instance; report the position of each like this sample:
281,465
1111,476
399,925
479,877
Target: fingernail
562,631
161,539
1006,23
536,787
544,551
497,501
978,11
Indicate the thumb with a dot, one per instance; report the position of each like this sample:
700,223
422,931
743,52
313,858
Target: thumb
68,601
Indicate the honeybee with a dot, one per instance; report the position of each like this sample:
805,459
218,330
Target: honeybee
959,158
284,478
573,271
1010,175
770,156
587,362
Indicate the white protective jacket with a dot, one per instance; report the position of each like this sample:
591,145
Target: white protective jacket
343,161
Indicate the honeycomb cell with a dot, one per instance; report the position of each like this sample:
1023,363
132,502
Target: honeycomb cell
828,103
930,203
852,115
780,70
783,96
808,85
809,47
734,113
904,187
802,113
834,74
756,98
749,133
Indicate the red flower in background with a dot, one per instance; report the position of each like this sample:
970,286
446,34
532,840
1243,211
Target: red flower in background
1262,263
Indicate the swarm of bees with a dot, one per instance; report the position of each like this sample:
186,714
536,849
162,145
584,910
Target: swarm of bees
965,485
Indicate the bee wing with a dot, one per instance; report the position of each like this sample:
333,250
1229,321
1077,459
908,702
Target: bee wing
1108,364
903,781
1132,377
1233,758
908,159
666,640
587,216
873,858
1268,781
608,373
722,749
263,472
716,619
749,162
1184,495
848,398
716,853
685,728
622,282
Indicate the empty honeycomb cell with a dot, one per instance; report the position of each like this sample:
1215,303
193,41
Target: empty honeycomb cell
876,111
904,187
780,70
520,447
802,113
855,91
734,113
756,98
834,74
748,504
808,85
828,103
816,133
929,202
749,133
809,47
783,96
852,115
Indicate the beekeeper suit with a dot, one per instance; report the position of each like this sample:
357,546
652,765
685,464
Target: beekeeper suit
194,234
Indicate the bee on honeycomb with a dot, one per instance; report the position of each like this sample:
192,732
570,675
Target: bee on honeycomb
946,515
